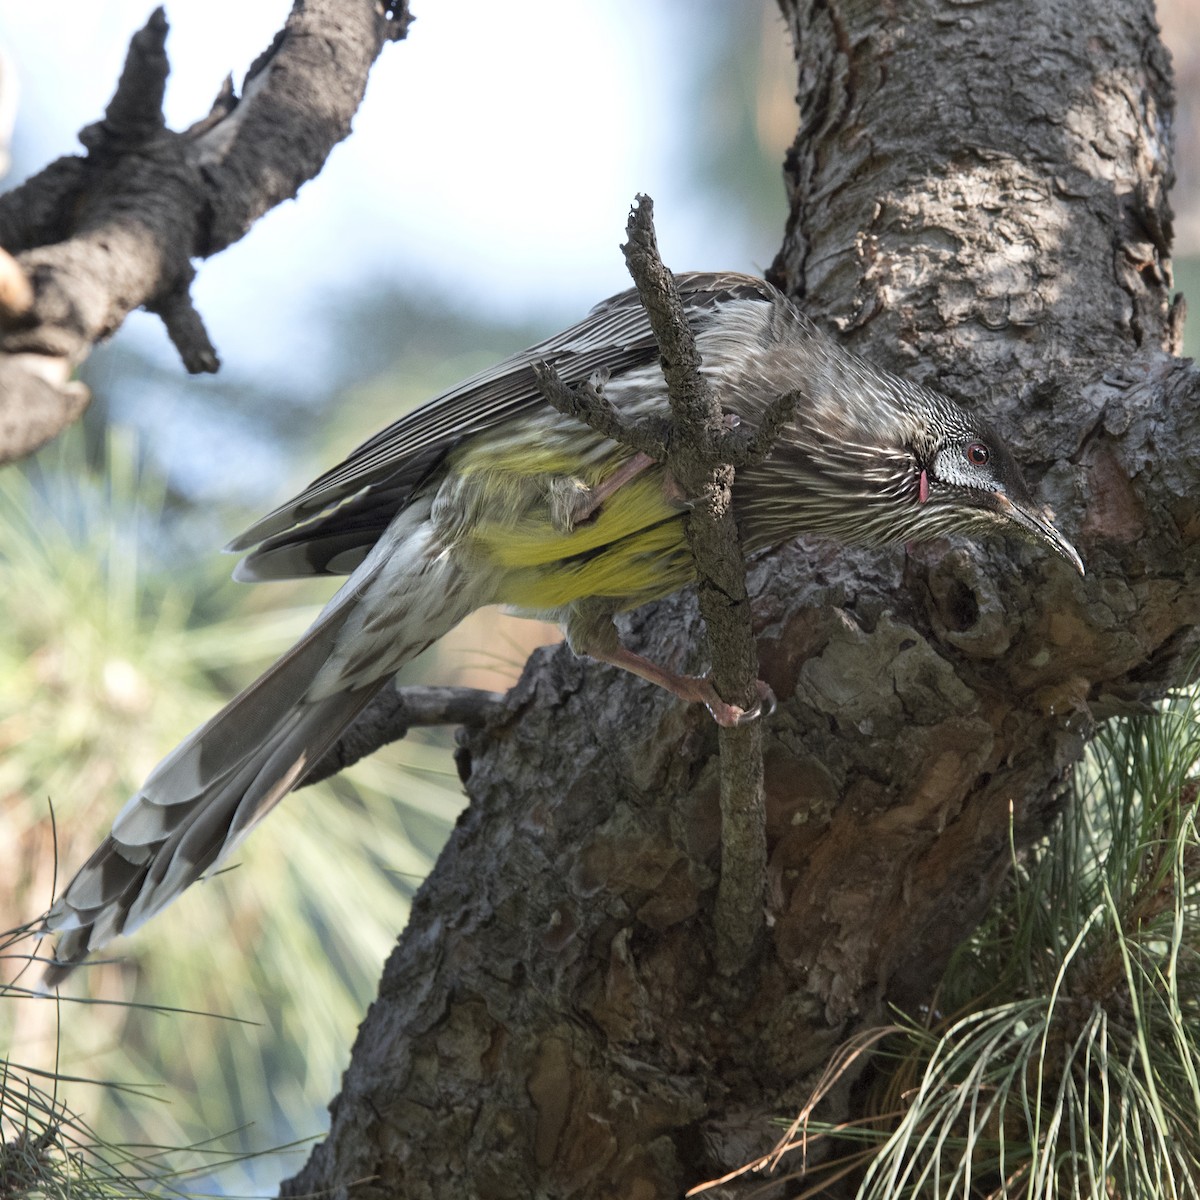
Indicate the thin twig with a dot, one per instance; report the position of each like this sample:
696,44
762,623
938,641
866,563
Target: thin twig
395,711
586,403
747,448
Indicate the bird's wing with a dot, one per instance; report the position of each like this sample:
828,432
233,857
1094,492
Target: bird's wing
199,802
329,527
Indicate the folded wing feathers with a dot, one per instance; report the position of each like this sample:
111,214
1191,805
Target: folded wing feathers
337,540
199,802
616,336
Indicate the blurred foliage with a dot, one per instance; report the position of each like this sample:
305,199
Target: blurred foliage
744,116
112,647
49,1150
1187,281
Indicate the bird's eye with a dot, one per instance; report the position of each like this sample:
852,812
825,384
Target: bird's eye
978,454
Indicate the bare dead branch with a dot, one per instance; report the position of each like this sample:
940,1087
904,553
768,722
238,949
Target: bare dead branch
395,711
100,235
694,459
698,454
586,403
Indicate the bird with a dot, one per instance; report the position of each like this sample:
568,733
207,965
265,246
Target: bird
488,495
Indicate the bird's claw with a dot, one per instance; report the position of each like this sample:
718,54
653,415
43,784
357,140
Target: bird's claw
730,716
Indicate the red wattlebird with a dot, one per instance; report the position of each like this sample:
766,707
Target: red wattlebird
487,495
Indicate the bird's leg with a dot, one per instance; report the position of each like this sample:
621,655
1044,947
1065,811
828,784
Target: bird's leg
572,502
594,634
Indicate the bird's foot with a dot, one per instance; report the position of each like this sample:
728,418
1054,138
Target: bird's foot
597,638
729,716
699,689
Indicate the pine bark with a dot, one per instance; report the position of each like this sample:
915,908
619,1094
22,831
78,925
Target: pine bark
979,202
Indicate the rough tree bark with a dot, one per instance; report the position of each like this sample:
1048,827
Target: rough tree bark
979,201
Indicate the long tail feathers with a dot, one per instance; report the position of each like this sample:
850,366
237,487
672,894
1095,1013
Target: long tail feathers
204,797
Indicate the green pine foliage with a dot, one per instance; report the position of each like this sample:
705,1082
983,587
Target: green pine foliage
1063,1056
106,660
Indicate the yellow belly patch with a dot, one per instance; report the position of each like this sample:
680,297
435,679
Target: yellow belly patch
631,551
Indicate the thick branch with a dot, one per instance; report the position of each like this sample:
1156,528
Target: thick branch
100,236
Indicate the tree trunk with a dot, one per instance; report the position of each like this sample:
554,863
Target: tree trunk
979,202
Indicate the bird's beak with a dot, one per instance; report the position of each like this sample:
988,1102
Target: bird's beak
1037,525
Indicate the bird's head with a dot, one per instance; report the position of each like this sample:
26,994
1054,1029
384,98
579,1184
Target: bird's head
871,458
968,481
